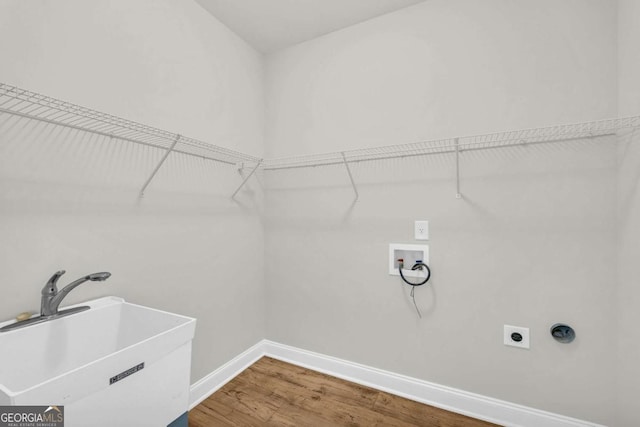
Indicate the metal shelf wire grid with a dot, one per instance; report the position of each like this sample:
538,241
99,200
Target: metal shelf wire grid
31,105
549,134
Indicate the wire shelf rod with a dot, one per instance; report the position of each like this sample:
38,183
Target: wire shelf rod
65,107
425,152
109,135
82,118
551,134
449,150
34,106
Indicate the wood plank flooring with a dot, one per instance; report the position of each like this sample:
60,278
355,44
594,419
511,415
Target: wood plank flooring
274,393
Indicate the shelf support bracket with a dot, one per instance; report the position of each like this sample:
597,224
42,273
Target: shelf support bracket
244,181
457,145
159,165
353,184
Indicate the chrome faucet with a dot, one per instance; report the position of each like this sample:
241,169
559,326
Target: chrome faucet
51,297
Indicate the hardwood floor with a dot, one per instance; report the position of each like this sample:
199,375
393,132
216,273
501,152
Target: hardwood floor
274,393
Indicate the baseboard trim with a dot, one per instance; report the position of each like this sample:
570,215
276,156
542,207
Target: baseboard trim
208,385
455,400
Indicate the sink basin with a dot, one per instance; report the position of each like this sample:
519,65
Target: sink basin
133,359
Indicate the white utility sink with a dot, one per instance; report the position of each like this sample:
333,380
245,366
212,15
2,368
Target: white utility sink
116,364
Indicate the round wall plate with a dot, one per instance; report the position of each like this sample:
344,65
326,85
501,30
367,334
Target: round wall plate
563,333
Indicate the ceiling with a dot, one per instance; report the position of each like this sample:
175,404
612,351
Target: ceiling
271,25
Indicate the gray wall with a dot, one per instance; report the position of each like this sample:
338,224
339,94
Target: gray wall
68,200
628,386
532,242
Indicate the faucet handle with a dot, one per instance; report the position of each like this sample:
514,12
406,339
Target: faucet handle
50,288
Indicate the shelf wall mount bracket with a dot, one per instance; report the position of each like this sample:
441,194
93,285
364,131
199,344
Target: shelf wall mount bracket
159,165
244,181
457,145
353,183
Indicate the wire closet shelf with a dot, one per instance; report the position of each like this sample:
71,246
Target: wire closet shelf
523,137
34,106
31,105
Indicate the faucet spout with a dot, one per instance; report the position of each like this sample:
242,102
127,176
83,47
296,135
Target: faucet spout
51,297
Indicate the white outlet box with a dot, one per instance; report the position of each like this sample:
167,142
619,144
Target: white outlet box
516,336
421,230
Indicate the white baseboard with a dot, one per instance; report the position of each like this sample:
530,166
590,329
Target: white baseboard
459,401
208,385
